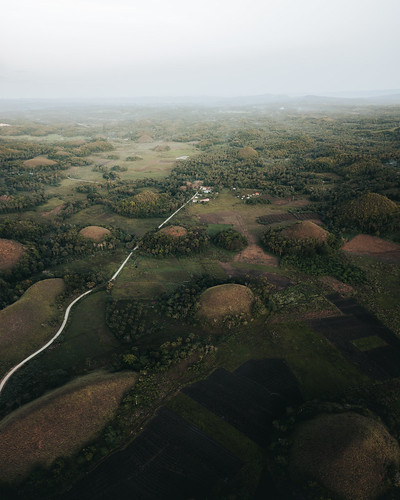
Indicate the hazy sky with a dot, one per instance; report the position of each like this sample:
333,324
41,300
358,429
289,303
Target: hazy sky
128,48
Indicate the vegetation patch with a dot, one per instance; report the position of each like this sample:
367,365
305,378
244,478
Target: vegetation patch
94,233
349,454
368,343
218,302
230,240
10,253
370,212
59,423
25,325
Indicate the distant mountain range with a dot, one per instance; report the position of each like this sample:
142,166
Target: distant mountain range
274,101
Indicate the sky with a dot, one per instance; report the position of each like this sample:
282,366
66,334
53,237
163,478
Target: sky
130,48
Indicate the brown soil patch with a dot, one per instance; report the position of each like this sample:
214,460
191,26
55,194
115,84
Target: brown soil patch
289,201
372,246
145,138
347,453
220,301
10,253
175,231
337,285
5,197
94,233
59,423
39,161
55,211
306,229
254,254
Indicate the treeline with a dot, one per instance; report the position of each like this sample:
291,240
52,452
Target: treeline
230,239
313,256
161,244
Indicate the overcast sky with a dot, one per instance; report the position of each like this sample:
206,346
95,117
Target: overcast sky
128,48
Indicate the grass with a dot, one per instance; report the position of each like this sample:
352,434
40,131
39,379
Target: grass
224,434
321,370
95,233
86,339
26,325
99,215
216,228
10,253
219,301
59,423
145,277
381,293
348,453
368,343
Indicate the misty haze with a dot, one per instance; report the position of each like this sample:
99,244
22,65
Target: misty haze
199,250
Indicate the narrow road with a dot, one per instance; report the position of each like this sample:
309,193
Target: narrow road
10,373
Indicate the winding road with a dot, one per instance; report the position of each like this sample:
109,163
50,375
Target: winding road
11,372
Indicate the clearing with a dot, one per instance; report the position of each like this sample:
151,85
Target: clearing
372,246
10,253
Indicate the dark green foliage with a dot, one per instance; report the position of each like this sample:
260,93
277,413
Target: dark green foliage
312,256
126,320
182,302
161,244
332,264
230,240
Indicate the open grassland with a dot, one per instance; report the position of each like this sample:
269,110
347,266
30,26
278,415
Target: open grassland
381,294
26,324
225,434
99,215
10,253
319,367
86,341
59,423
151,162
145,277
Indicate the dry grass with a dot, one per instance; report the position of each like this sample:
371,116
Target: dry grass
347,453
175,231
372,246
59,423
10,253
304,230
24,325
220,301
39,161
145,138
94,233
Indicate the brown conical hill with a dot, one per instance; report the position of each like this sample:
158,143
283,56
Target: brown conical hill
348,453
367,209
220,301
247,153
306,229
